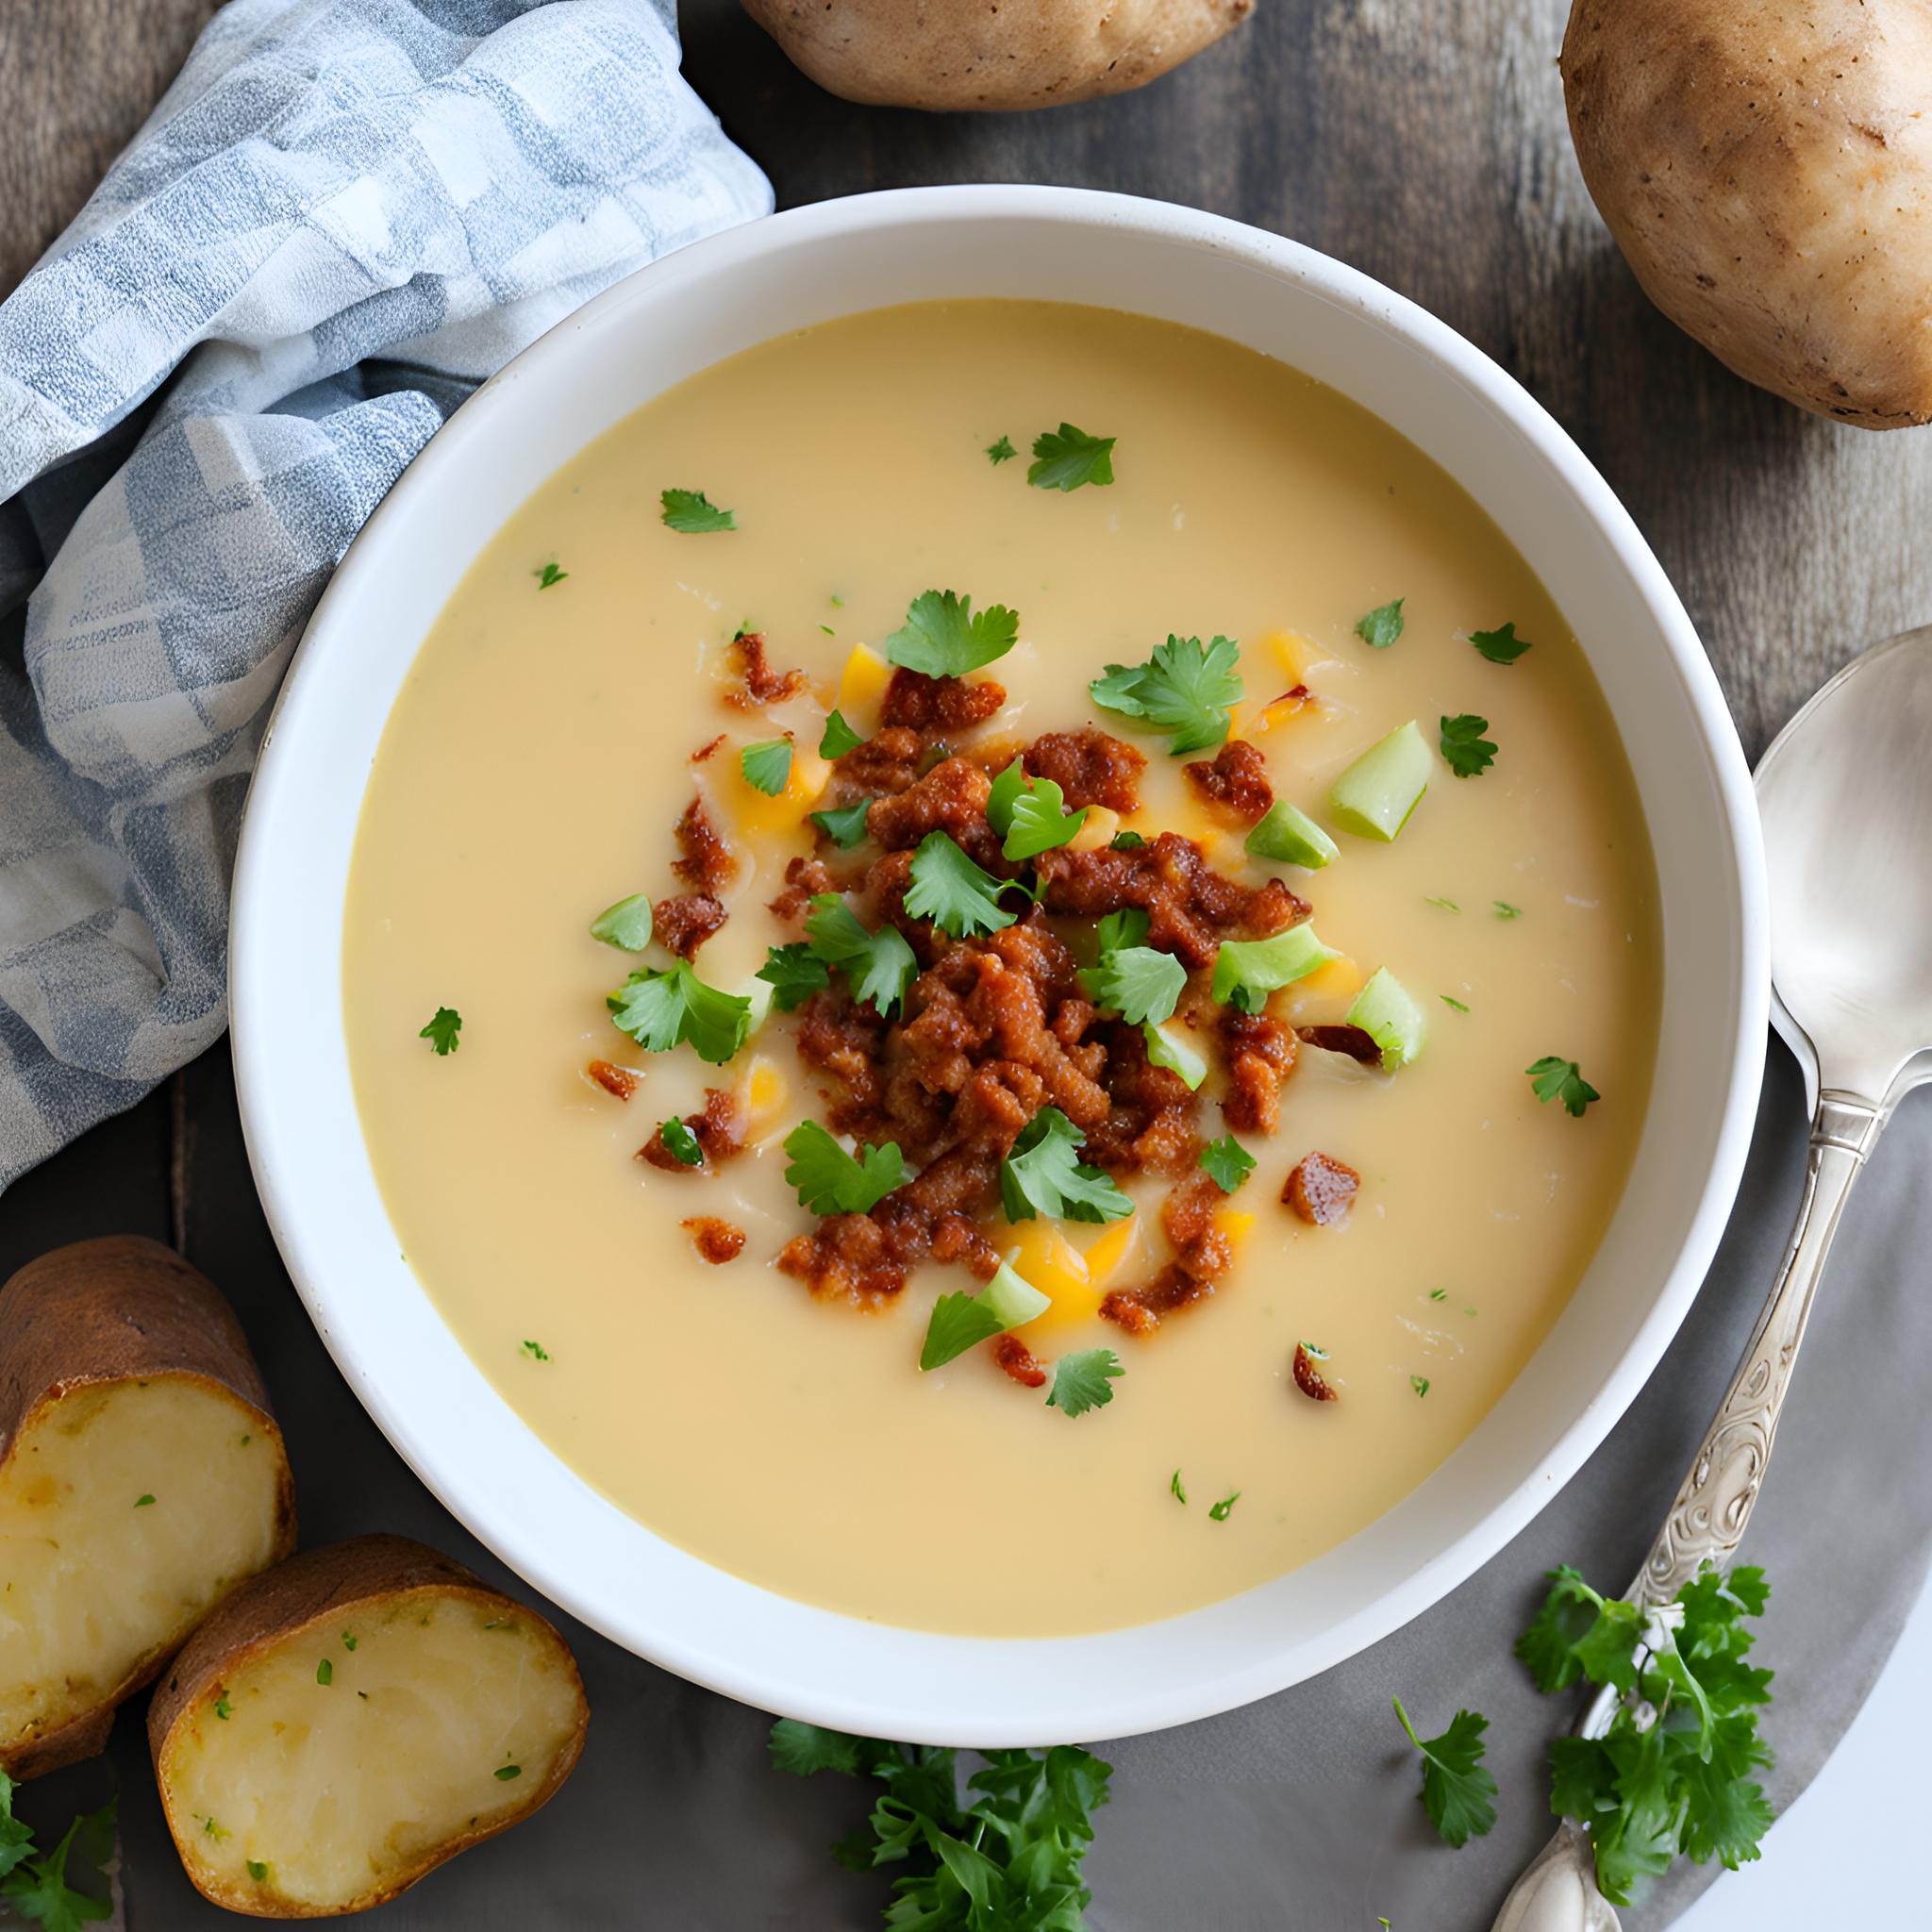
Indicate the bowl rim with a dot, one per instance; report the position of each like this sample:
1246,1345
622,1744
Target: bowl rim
1151,1703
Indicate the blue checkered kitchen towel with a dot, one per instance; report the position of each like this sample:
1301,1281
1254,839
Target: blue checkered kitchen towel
342,216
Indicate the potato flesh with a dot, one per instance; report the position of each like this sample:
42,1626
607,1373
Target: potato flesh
337,1791
92,1579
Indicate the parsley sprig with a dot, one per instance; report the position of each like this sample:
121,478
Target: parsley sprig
1184,686
1067,458
1465,750
672,1007
1007,1861
1226,1163
944,637
831,1181
1556,1079
1084,1380
35,1883
1030,814
1457,1791
1132,978
692,513
878,966
1501,646
443,1031
958,896
1043,1174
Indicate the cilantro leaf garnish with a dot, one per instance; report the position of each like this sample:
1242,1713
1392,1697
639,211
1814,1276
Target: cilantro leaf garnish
794,973
1561,1079
1067,458
663,1009
549,575
844,825
767,767
959,1322
831,1181
1382,626
944,637
1457,1791
1030,814
878,966
1500,646
445,1023
1672,1773
1184,687
1226,1163
1007,1861
1465,750
1044,1175
36,1882
681,1143
625,925
693,512
839,737
1083,1380
961,898
1135,980
1000,452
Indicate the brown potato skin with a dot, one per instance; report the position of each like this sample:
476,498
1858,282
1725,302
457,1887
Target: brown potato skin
118,1309
979,57
315,1589
1766,168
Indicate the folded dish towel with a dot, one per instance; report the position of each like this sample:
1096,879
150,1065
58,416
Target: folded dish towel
342,216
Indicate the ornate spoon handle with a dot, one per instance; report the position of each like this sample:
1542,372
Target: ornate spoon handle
1557,1892
1714,1503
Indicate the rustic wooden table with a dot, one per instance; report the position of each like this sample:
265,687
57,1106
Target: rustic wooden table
1422,140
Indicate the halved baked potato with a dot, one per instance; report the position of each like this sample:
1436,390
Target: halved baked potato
142,1479
345,1723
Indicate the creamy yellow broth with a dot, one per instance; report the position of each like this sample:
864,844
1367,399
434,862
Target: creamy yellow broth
531,772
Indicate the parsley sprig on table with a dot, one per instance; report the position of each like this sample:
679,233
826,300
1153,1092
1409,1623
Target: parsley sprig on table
1008,1860
944,637
1457,1791
1673,1772
35,1883
1184,686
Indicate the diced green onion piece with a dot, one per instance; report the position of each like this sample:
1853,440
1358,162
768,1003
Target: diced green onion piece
1383,1010
1247,971
1014,1300
626,925
1169,1046
1375,795
1293,836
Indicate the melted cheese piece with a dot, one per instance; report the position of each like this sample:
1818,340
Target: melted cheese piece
531,772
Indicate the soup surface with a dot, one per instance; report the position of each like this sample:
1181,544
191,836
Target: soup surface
540,755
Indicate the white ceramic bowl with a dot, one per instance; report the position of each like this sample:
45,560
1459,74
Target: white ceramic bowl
671,319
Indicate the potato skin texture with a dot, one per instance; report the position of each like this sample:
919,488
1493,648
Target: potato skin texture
1766,168
318,1589
978,56
121,1308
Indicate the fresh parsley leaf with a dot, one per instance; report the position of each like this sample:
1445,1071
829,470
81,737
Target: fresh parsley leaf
1500,646
325,1673
36,1884
681,1143
693,513
794,973
1140,983
943,636
831,1181
802,1749
839,737
549,575
844,827
1221,1511
504,1772
16,1838
878,966
536,1351
1067,458
625,925
663,1009
1382,626
959,1322
946,887
1127,842
1122,929
1083,1380
1000,452
1044,1175
767,767
1226,1163
1561,1079
1420,1384
1465,750
1548,1646
445,1023
1457,1791
1040,820
144,1502
1184,686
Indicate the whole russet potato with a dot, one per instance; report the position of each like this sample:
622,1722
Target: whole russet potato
1766,167
991,55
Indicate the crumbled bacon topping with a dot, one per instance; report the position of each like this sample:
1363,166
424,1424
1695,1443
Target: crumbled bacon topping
1018,1362
614,1080
1309,1379
762,685
939,704
706,860
1089,767
683,923
1320,1188
1260,1057
1357,1043
717,1242
718,1127
1235,783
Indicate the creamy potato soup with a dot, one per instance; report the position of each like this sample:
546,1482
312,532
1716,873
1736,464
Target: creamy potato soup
1208,966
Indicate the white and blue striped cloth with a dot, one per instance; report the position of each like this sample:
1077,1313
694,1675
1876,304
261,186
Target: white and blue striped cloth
342,215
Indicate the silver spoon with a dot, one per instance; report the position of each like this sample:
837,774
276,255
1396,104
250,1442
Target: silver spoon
1846,795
